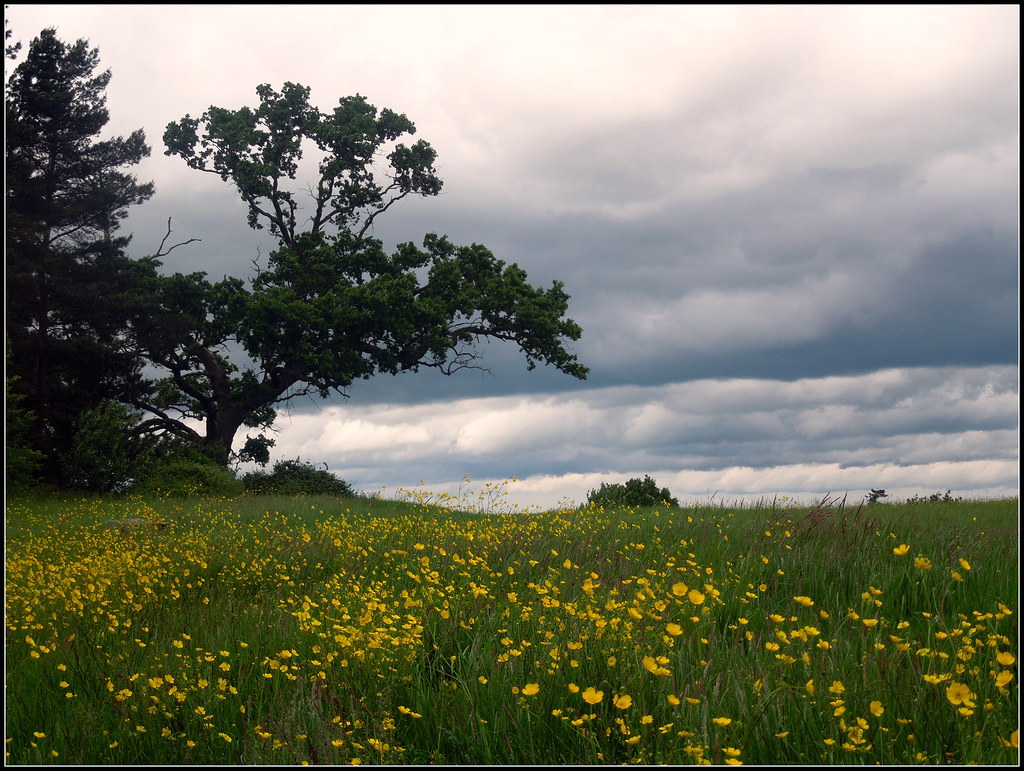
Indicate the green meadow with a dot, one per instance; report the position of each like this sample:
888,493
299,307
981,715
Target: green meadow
292,630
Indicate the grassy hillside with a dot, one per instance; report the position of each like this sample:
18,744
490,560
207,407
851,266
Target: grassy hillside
349,630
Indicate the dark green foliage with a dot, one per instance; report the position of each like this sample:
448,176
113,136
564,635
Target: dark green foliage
876,495
295,477
104,455
182,477
21,461
71,292
635,492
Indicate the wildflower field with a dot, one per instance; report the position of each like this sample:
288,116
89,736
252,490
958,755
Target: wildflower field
333,631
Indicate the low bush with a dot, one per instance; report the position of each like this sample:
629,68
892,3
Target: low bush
295,477
635,492
181,477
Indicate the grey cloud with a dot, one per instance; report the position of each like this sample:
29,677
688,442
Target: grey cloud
790,234
897,418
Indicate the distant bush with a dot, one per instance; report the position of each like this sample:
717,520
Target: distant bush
876,495
182,477
934,498
295,477
635,492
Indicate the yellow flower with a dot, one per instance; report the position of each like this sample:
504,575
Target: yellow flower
869,622
805,601
922,563
1003,678
1005,658
592,696
696,597
959,694
837,687
623,701
721,721
965,564
901,550
530,689
679,589
673,700
810,687
674,629
876,708
655,666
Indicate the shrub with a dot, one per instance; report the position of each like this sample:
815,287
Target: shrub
876,495
22,462
936,497
103,456
182,476
635,492
295,477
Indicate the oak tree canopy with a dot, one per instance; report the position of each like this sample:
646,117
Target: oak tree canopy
331,305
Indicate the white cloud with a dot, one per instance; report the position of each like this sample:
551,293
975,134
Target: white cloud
897,428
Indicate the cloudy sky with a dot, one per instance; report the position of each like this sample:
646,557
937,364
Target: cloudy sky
790,233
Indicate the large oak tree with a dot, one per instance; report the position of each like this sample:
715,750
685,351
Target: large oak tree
332,305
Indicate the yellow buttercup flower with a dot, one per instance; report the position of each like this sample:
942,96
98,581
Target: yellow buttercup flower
592,696
623,702
721,721
531,689
959,694
901,550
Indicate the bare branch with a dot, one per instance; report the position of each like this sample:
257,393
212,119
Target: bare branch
160,249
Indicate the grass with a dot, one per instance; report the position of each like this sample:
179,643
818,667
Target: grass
322,630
